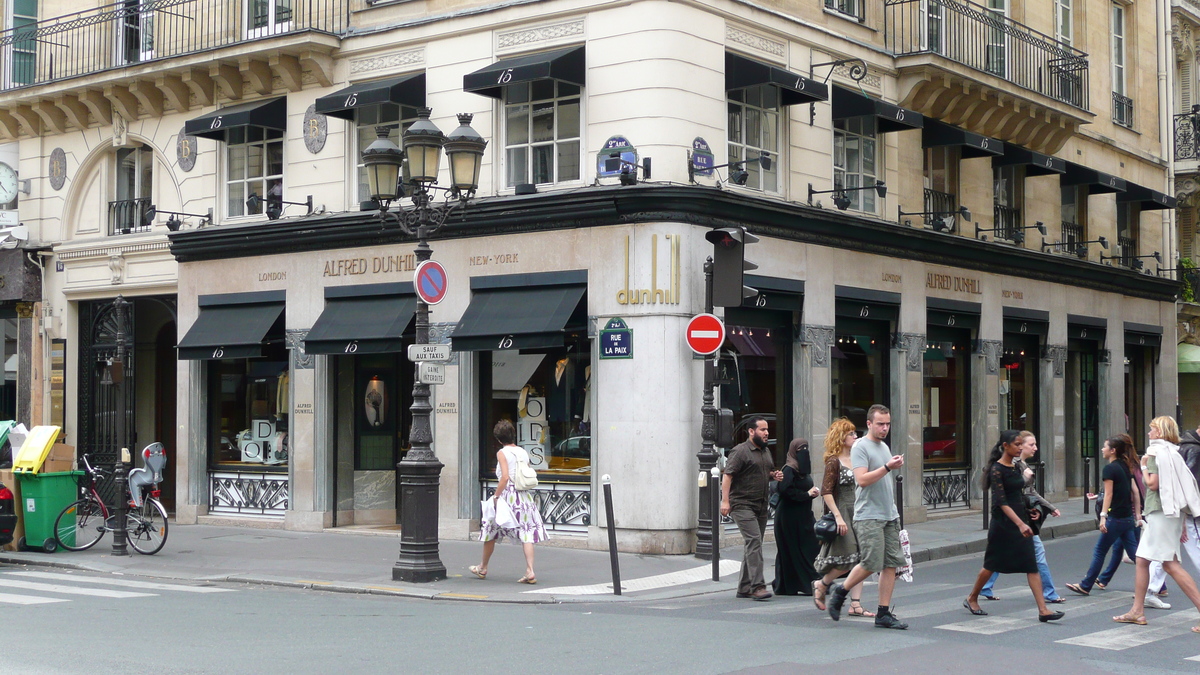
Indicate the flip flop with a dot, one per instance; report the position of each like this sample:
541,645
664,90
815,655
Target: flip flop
475,569
1129,618
527,580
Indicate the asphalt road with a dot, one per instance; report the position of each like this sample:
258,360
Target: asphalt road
227,628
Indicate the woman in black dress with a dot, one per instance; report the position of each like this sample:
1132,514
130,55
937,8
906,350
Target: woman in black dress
794,536
1010,539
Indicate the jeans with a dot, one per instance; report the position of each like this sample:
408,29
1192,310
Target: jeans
1039,552
1120,530
751,525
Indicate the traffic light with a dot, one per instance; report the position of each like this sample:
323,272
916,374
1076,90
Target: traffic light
730,265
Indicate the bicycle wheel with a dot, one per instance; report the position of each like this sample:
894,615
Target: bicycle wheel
148,527
80,525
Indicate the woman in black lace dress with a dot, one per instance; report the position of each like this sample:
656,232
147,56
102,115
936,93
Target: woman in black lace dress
1010,539
794,536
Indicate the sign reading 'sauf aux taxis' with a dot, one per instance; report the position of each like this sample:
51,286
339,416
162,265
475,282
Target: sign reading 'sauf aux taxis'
654,295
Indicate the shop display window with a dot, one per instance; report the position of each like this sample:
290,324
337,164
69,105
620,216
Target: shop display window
249,410
547,396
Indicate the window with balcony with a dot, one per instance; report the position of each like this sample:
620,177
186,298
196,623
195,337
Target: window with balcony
367,119
1007,182
754,117
856,160
1122,105
1074,216
941,181
22,53
268,17
1128,215
133,190
254,166
851,8
542,125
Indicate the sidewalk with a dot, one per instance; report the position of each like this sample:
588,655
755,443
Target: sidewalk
361,562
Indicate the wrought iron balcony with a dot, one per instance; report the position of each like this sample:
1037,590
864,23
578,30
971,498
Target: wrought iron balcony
1187,126
131,32
988,42
127,216
1122,110
1008,222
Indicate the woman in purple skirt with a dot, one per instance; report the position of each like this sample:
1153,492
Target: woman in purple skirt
529,529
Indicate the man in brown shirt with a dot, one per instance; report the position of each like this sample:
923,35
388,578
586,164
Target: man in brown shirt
749,470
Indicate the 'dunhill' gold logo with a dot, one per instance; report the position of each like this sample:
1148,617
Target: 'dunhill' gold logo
654,295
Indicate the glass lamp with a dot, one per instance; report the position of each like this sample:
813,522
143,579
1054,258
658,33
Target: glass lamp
382,159
423,147
464,148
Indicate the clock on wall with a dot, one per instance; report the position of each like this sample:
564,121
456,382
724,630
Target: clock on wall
8,184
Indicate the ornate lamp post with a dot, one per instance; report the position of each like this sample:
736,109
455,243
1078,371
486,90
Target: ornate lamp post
420,471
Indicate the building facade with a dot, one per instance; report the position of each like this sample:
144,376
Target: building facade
958,209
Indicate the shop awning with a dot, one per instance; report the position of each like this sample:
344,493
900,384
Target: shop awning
368,319
1143,334
566,65
231,326
938,134
848,103
519,311
405,90
741,72
1189,358
270,113
1146,198
1035,163
1097,182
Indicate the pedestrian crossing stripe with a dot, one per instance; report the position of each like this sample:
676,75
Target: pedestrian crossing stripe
125,583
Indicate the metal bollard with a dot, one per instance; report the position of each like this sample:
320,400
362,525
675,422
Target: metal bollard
714,488
1087,481
612,535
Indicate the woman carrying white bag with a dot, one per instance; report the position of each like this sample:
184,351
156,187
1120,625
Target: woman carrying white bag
510,512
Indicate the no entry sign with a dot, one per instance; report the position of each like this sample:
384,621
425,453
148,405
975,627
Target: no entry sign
705,334
430,282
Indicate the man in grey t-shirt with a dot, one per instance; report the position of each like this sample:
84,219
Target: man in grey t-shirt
876,521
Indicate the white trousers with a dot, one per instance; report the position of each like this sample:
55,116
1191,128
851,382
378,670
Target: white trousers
1191,548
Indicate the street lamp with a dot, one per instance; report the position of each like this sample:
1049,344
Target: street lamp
391,174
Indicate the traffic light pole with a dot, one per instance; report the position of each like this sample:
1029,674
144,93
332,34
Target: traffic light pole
708,519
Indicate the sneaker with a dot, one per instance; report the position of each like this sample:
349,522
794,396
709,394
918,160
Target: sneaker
1153,602
837,598
889,620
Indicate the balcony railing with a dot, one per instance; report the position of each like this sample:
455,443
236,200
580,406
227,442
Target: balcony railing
132,32
942,203
1122,110
1187,126
1008,222
127,216
989,42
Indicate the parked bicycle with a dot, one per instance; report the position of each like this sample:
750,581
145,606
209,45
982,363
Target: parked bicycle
83,522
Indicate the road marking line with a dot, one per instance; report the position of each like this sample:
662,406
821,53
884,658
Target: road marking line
15,599
647,583
127,583
1129,636
71,590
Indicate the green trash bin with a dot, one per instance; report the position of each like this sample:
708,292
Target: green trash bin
43,497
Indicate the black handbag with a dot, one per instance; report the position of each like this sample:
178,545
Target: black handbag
826,528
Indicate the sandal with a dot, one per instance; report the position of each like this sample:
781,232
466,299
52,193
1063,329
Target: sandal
477,571
1130,617
819,596
527,580
1076,588
856,605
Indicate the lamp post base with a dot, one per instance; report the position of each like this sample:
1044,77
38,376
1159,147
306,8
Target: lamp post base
419,561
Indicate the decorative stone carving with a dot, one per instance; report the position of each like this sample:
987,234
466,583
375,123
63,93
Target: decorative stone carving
316,129
389,61
517,38
991,350
755,41
913,345
819,339
116,265
1058,355
294,337
186,149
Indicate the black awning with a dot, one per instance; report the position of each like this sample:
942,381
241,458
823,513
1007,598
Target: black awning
938,134
368,319
406,90
269,113
1097,182
848,103
741,72
1148,199
1035,163
567,65
231,326
523,316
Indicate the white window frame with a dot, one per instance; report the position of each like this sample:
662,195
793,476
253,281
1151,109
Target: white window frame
246,182
273,25
557,100
840,173
744,147
365,131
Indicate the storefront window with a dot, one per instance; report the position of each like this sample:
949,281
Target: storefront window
1019,382
547,396
860,369
946,395
249,406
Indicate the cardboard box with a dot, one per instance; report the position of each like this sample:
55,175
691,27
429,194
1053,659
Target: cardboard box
10,481
61,458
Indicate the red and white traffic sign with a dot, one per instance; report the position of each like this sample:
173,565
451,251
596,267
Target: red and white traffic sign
430,282
705,334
